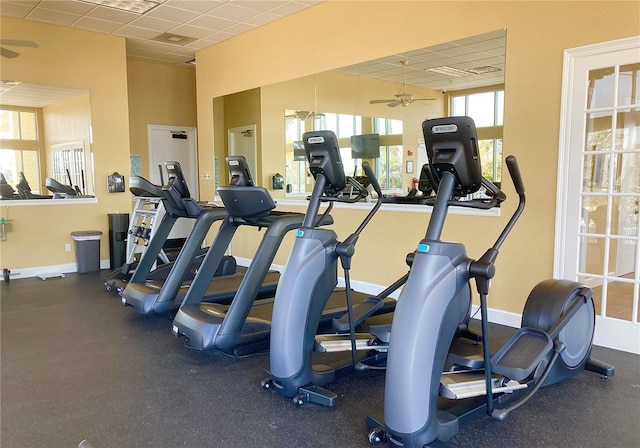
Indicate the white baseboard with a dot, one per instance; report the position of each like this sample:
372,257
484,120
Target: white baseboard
48,270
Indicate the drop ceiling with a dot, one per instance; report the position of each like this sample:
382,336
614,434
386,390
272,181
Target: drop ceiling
174,30
171,32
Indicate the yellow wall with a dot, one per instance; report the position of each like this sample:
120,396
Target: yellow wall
537,35
125,96
79,59
160,95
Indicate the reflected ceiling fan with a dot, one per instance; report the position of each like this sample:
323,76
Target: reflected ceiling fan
6,53
303,114
403,97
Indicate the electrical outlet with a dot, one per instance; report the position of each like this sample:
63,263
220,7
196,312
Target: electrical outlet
67,247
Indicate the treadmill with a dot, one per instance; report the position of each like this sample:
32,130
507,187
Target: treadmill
244,326
147,212
149,296
144,287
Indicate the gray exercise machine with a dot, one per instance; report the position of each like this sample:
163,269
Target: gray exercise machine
245,325
148,295
421,403
307,284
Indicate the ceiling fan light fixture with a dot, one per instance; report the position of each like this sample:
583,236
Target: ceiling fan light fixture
5,86
135,6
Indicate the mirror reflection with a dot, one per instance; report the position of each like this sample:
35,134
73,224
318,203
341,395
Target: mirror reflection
45,142
388,98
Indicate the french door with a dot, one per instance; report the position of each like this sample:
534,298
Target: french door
597,237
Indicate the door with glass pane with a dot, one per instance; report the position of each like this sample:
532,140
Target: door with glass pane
599,204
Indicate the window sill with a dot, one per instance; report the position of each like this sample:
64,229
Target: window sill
404,208
27,202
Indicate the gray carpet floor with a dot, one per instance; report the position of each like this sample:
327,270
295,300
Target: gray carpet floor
77,365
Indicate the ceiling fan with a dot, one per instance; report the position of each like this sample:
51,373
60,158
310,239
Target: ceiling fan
303,114
403,97
5,52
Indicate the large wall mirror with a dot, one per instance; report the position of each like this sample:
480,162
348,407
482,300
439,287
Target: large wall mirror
45,141
381,102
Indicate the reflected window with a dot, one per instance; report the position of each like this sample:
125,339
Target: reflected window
487,110
388,165
19,147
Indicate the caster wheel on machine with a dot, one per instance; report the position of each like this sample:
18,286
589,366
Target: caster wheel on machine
376,436
298,401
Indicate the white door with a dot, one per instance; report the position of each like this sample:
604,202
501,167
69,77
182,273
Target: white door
173,143
598,207
242,142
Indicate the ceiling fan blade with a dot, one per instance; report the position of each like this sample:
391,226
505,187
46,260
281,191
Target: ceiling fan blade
380,101
5,52
425,99
394,104
19,43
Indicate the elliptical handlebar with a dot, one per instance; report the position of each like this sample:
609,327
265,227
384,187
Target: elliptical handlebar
376,186
372,178
483,269
514,172
516,177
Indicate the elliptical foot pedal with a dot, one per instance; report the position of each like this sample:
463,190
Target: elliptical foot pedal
522,353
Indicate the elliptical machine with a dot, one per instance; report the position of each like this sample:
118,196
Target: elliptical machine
308,280
553,344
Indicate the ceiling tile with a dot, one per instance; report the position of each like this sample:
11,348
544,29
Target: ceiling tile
160,46
31,3
141,51
134,31
79,8
184,51
198,6
113,15
233,12
153,23
288,8
200,44
49,16
15,9
262,19
175,58
192,31
173,14
260,5
212,23
103,26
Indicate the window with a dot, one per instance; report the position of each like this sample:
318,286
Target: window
487,110
19,146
